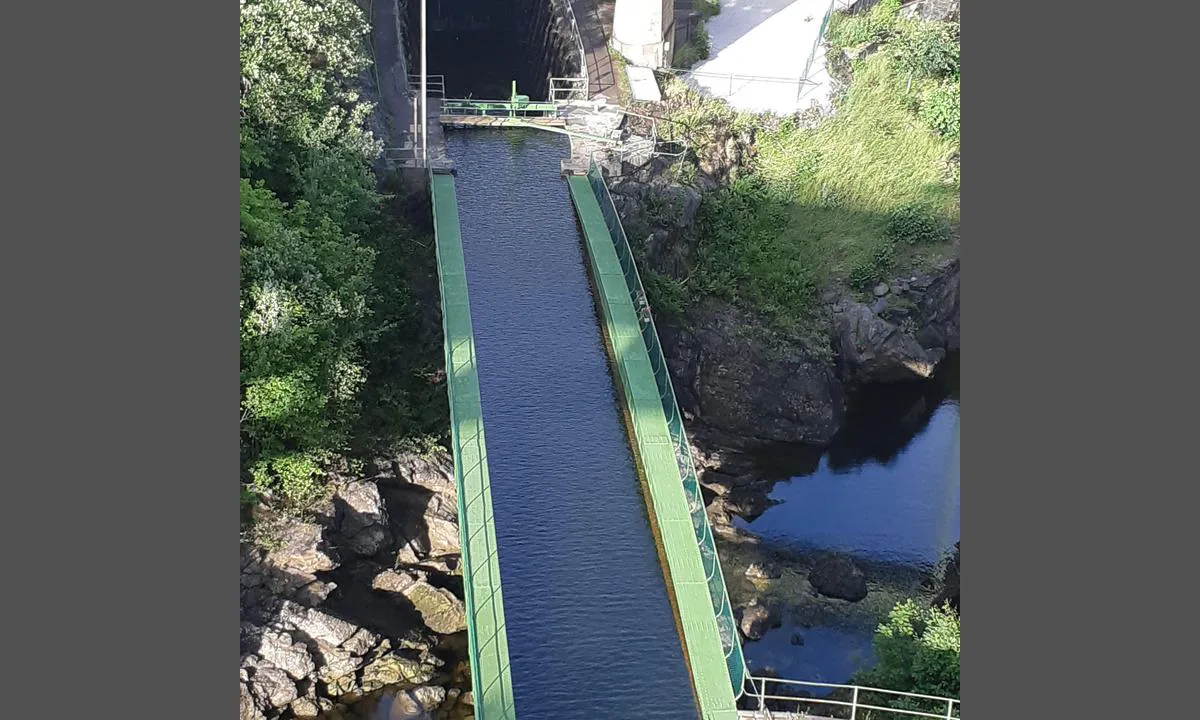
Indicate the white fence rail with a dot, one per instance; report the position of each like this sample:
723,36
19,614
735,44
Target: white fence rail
435,85
565,89
774,702
583,61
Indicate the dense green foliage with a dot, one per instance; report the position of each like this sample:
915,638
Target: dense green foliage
699,46
918,652
695,50
312,224
915,224
864,193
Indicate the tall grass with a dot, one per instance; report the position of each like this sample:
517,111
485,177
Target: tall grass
823,203
874,155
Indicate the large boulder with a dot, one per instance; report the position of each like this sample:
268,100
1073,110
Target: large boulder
246,707
338,669
269,686
441,611
362,522
872,349
315,624
838,576
756,619
391,668
434,473
748,384
301,549
291,657
393,581
939,313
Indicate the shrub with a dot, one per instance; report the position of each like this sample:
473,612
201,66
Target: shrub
927,49
939,109
916,224
666,295
694,50
872,264
849,31
918,650
293,479
708,8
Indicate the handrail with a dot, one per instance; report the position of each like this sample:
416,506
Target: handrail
583,69
485,614
758,689
563,89
718,593
434,84
735,76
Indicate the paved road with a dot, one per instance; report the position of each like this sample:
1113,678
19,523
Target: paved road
765,39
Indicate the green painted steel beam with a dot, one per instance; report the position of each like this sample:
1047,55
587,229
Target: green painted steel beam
718,594
671,508
486,637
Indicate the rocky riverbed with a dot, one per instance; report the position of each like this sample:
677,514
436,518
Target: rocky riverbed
357,612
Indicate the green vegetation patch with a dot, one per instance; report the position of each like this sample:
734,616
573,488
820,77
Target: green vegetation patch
918,649
864,193
327,322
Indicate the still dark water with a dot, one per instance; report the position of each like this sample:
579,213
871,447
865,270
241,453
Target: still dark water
887,492
590,628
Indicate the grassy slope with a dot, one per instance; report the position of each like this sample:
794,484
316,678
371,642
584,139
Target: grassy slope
845,177
816,207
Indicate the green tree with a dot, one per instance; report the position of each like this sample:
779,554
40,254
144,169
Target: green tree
316,313
300,61
303,317
917,650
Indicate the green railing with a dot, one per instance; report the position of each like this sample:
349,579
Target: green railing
498,108
718,593
487,641
515,106
657,458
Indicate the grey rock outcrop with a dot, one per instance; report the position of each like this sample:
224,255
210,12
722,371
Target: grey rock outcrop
748,384
871,349
756,619
361,519
278,649
838,576
441,611
309,651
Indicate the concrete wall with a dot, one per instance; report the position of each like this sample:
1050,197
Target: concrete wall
643,31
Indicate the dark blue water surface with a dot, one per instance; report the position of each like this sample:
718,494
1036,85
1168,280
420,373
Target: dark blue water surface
886,492
905,511
590,629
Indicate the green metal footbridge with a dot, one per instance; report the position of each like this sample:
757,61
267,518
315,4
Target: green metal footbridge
687,549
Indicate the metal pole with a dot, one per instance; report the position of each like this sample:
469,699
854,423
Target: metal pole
854,704
424,95
950,708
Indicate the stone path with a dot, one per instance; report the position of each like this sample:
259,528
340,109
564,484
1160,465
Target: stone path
602,77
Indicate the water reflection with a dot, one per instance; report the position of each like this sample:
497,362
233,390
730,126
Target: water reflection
826,654
885,491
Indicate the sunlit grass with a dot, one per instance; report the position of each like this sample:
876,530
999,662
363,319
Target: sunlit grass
873,156
817,208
